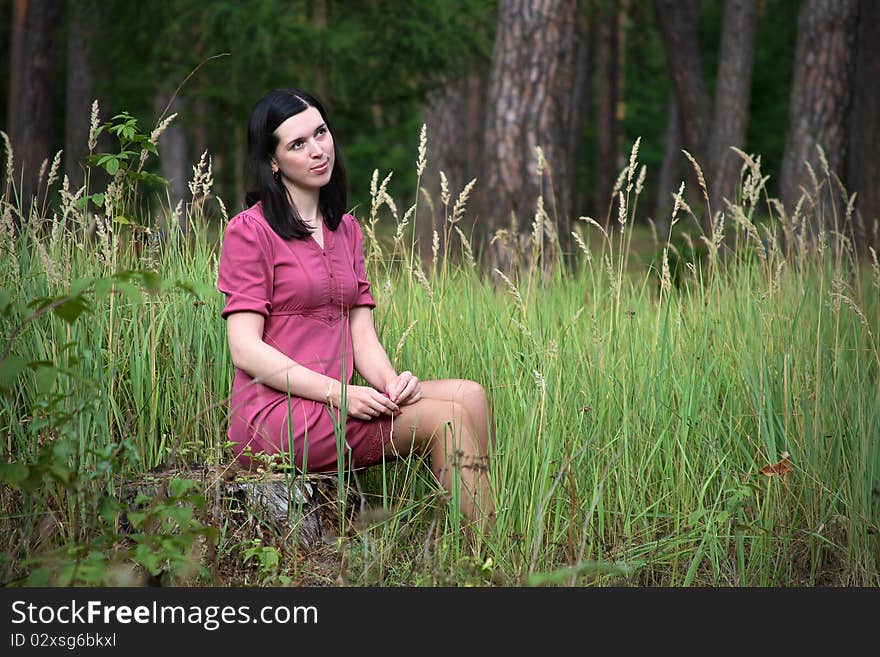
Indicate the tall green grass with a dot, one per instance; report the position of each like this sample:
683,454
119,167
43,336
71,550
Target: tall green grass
636,402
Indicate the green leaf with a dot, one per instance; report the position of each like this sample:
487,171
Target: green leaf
60,473
39,577
152,178
122,219
136,518
103,287
152,281
147,559
14,473
180,486
5,301
46,377
109,509
9,371
112,166
130,291
71,309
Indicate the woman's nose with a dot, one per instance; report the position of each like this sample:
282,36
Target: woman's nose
314,148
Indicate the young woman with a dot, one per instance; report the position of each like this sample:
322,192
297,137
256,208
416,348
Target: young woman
299,321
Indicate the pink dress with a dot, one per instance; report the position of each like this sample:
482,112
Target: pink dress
305,293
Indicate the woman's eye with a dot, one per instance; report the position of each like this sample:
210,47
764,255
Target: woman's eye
322,131
297,145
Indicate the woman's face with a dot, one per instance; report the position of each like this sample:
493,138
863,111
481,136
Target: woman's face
304,154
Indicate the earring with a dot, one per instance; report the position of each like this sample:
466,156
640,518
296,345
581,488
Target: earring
277,175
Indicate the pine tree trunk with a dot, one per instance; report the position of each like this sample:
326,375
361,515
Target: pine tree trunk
31,88
732,92
670,168
864,137
528,106
80,89
678,21
606,128
173,159
453,117
583,104
820,99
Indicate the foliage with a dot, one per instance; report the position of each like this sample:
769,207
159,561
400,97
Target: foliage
636,417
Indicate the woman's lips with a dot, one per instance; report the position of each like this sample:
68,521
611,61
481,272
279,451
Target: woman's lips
321,168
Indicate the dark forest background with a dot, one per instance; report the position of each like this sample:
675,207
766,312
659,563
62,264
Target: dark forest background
491,79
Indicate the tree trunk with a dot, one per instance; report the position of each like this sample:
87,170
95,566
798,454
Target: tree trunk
319,23
667,183
173,159
820,99
864,136
530,86
453,118
80,89
582,107
606,128
305,510
31,88
732,92
678,21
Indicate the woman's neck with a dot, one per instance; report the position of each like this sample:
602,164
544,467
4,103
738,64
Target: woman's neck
306,203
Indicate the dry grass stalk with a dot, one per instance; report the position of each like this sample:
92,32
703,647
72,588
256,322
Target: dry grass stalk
416,270
665,276
466,245
401,225
461,202
53,171
700,178
402,340
93,127
875,267
161,127
203,178
7,146
53,276
423,150
633,155
444,190
640,181
7,232
223,212
581,244
678,204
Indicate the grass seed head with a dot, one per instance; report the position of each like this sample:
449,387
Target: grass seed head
423,149
93,127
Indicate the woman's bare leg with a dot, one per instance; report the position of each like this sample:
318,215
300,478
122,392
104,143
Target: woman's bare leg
472,396
443,428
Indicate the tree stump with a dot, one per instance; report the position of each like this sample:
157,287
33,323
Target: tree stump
306,509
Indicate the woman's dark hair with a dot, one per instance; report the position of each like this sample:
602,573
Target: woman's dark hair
271,111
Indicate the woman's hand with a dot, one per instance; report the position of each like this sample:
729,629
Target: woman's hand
365,403
404,389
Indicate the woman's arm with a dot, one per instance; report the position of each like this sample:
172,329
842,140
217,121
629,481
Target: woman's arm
372,362
261,361
370,358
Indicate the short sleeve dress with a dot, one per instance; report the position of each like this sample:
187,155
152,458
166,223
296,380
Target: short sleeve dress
305,294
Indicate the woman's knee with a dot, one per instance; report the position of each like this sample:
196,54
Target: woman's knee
431,419
471,394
